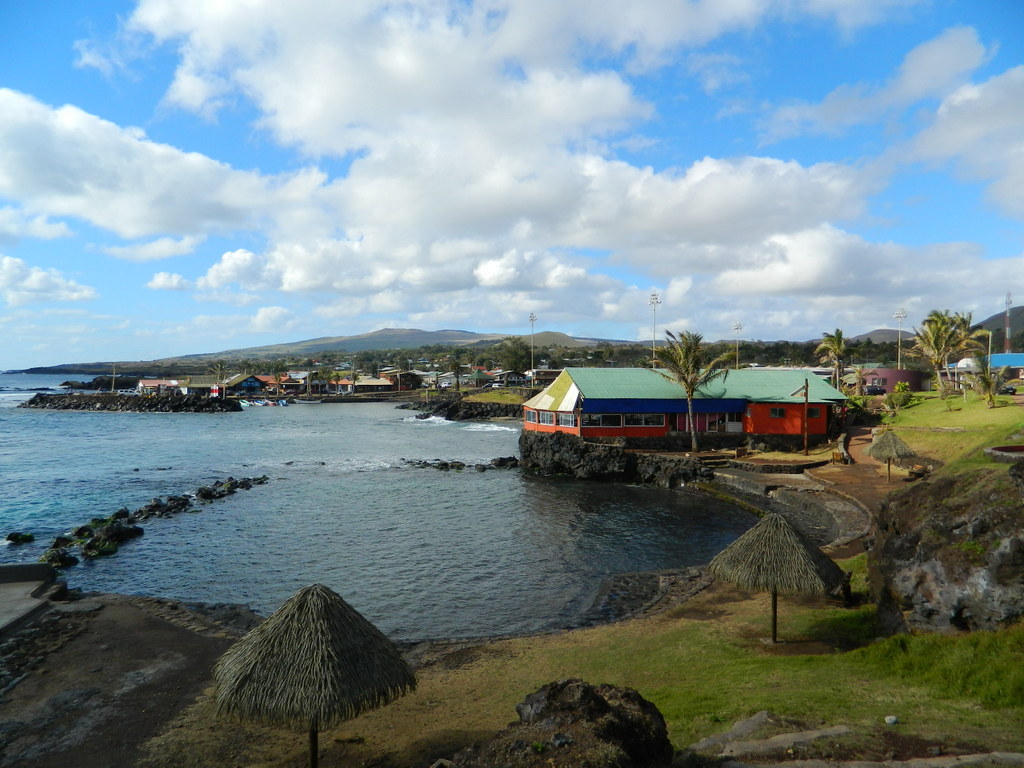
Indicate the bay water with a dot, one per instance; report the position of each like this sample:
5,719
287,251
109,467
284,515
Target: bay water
420,552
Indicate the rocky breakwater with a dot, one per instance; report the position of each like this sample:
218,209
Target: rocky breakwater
132,403
948,554
102,536
559,453
456,408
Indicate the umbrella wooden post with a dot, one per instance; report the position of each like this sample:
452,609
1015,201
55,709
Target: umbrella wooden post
314,748
775,615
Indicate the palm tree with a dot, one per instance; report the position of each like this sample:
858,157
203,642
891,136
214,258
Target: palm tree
984,380
692,364
933,342
832,351
941,336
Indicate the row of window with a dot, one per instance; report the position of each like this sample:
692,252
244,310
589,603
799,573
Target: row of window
644,419
813,412
598,419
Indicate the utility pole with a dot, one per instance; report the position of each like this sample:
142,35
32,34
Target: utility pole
899,317
737,328
533,321
654,301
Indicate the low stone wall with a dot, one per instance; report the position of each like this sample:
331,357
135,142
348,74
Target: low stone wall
558,453
132,403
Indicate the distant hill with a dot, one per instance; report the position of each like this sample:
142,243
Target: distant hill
880,336
383,339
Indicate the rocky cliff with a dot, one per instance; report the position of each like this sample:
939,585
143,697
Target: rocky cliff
948,554
456,408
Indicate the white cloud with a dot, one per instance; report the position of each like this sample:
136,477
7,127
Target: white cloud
66,162
981,129
167,281
154,250
22,284
275,319
15,225
929,71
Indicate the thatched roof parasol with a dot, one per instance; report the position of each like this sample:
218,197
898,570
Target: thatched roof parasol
886,447
314,663
775,557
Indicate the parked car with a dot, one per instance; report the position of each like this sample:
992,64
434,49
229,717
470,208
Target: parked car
874,389
1007,389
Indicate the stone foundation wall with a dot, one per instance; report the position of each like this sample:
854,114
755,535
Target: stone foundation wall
558,453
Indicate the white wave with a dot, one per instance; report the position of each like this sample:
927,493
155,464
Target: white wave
490,428
431,420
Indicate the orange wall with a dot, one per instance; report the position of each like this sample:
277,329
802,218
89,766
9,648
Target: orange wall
758,420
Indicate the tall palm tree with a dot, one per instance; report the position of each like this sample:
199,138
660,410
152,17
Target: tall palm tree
831,350
943,335
693,364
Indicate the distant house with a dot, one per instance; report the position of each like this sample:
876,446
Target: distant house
640,402
1012,360
158,386
243,385
888,378
367,384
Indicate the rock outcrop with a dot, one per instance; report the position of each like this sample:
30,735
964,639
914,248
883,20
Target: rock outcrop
455,408
559,453
948,555
133,403
571,723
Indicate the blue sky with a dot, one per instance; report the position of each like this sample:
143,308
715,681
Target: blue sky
183,177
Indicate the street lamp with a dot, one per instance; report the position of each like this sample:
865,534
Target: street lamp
533,321
899,317
737,327
654,301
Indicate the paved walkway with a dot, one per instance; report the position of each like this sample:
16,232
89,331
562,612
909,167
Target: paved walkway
23,593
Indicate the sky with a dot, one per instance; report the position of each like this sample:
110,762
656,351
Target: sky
186,176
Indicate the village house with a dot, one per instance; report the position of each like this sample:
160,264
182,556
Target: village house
641,403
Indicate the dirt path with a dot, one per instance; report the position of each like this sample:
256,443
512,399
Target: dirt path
101,677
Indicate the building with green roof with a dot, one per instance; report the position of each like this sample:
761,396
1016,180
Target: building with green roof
640,402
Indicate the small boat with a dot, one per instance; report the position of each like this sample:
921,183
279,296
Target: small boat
308,400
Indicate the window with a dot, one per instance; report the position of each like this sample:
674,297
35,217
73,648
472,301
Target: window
602,420
813,412
777,413
531,416
879,381
644,419
547,417
567,419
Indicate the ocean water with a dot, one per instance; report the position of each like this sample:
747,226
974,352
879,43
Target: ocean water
420,552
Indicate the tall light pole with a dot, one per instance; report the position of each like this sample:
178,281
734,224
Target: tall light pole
533,321
737,327
654,301
899,317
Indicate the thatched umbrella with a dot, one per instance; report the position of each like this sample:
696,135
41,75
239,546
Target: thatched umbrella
775,557
886,447
314,663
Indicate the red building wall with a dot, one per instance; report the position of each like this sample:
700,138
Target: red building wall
759,419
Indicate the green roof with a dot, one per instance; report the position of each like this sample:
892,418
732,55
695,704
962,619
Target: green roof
750,384
625,383
761,385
